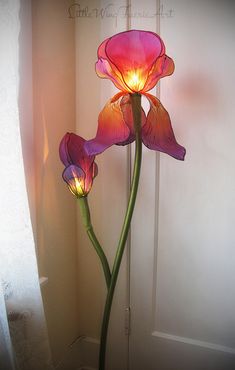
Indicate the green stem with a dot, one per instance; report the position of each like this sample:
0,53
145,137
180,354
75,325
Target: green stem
85,212
136,111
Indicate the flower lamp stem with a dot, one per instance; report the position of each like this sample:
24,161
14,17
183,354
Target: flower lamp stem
85,212
136,111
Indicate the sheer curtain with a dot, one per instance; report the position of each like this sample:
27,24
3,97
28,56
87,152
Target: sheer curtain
23,336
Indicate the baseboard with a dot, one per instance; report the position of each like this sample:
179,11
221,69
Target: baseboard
89,350
82,355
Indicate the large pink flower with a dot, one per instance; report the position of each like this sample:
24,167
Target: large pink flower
80,168
134,61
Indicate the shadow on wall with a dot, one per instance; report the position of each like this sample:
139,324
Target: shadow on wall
47,111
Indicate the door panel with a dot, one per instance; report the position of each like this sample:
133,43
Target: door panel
182,247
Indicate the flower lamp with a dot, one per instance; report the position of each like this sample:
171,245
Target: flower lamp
134,61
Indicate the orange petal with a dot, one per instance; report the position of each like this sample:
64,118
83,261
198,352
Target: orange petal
112,128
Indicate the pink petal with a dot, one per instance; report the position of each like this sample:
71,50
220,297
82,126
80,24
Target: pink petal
105,69
112,128
157,133
101,53
133,51
164,66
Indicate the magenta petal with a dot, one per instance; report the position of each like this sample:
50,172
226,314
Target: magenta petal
157,133
72,152
112,128
134,49
90,174
63,151
105,69
133,60
101,53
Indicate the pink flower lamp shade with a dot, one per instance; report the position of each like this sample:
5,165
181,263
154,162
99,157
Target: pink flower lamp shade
134,61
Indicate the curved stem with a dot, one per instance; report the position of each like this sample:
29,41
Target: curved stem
136,111
85,212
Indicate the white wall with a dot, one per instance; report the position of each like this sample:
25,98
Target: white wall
197,200
184,306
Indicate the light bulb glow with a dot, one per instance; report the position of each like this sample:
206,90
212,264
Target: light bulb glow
134,80
76,185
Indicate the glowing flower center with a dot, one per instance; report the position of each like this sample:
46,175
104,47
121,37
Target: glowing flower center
76,186
135,81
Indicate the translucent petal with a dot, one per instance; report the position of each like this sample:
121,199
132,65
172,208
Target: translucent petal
74,176
157,133
72,152
63,150
163,67
134,53
112,128
104,69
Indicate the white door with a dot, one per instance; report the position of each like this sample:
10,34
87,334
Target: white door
183,233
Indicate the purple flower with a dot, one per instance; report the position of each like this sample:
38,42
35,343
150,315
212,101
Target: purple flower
80,167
